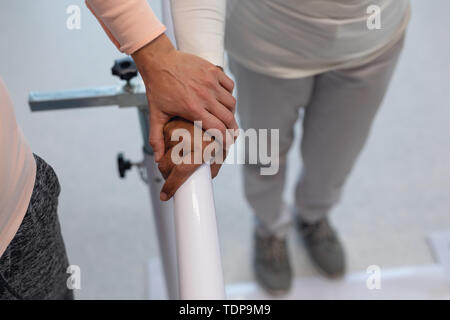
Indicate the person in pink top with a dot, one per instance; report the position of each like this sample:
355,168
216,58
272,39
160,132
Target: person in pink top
33,259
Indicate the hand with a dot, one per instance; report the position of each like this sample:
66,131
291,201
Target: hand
176,174
184,85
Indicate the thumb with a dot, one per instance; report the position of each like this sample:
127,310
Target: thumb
156,139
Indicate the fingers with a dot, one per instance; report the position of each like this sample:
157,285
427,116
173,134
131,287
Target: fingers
166,164
177,177
224,114
226,82
180,158
217,117
169,160
156,139
169,129
210,121
227,99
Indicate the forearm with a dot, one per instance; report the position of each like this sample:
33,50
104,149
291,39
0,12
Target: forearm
130,24
177,83
199,28
152,56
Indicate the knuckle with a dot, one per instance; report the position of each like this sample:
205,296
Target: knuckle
232,84
191,107
162,167
223,130
211,83
153,142
213,70
228,118
233,104
203,92
213,76
163,171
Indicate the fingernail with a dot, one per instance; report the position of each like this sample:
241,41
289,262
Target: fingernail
163,196
157,156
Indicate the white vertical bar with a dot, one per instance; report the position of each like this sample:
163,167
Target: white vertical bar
167,20
200,272
198,252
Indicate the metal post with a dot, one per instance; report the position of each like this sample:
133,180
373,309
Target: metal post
162,212
200,271
199,261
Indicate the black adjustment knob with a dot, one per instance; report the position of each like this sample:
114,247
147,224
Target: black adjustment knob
124,68
123,165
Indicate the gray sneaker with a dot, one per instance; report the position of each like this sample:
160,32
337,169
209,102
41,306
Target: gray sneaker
324,247
271,264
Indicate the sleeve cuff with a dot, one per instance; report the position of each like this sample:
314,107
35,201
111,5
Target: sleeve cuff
131,23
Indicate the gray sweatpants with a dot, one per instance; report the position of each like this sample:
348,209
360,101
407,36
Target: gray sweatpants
339,108
35,262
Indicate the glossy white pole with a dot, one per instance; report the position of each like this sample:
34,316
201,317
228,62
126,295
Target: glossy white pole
200,272
198,252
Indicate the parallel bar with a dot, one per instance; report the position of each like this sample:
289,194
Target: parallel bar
122,96
200,272
199,262
163,213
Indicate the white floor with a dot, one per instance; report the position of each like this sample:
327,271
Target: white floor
410,283
397,194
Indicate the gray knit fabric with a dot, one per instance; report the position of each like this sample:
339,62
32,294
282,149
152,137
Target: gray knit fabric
34,264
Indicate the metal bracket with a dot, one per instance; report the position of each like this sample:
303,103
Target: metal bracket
128,95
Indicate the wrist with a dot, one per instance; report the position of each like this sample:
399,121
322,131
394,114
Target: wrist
152,54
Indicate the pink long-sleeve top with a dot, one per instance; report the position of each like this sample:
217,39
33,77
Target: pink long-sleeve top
129,24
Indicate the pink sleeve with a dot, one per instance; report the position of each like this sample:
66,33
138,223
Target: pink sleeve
130,24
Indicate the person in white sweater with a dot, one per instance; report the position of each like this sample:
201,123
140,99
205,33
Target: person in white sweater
320,56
